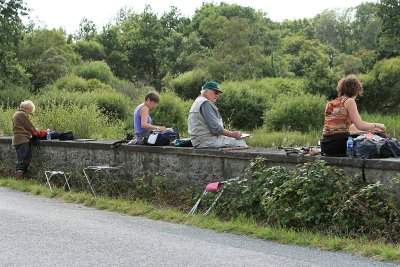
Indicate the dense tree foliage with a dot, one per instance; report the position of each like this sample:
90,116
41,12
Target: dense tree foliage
11,32
383,88
389,41
46,55
87,30
366,26
223,42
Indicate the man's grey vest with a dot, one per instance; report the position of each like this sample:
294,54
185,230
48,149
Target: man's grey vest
197,127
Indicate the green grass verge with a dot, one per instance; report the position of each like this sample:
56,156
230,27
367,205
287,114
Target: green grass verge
240,225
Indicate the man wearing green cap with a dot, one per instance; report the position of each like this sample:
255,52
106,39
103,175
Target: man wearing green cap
205,125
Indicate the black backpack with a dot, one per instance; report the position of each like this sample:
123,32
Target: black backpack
66,136
369,148
161,139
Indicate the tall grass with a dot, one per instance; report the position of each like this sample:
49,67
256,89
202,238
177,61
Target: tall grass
392,122
6,120
264,138
85,122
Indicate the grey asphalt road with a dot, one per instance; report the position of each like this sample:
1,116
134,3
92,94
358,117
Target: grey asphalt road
38,231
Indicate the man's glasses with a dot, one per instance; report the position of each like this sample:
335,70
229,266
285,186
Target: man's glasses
217,92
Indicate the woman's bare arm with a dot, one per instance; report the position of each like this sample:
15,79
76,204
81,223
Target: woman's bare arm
355,117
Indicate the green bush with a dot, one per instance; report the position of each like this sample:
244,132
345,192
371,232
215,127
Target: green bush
367,209
50,66
95,70
85,122
6,120
313,197
242,109
114,105
89,50
13,95
302,198
243,103
171,112
72,83
188,85
382,92
135,91
52,96
268,88
321,80
300,113
97,85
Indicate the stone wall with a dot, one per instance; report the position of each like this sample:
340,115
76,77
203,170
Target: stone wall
191,167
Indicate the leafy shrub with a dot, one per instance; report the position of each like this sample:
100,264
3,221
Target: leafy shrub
368,209
314,197
51,95
171,112
49,67
242,109
13,95
188,85
303,199
54,97
97,85
114,105
6,120
95,70
382,93
345,64
300,113
321,80
268,88
89,50
135,91
85,122
72,83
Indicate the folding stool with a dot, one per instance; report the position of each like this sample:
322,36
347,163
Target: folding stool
211,187
102,168
50,174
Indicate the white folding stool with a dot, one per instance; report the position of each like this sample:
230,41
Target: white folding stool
102,168
50,174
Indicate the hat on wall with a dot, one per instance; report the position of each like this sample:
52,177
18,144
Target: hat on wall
212,86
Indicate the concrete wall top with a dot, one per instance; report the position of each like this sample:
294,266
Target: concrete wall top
270,154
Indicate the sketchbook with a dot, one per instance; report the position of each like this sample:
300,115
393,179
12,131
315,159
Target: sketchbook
245,136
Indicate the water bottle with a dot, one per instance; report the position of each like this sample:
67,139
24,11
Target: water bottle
48,134
349,147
